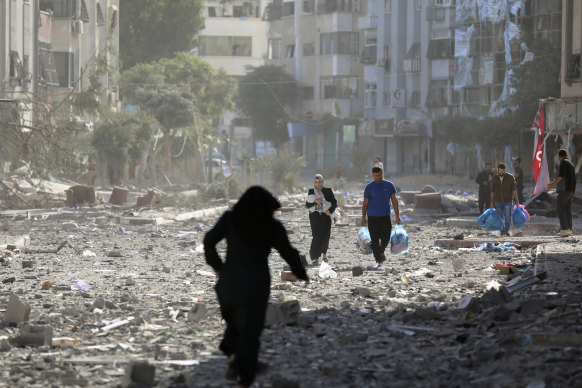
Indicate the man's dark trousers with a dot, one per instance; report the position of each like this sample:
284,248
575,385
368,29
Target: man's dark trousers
565,209
380,229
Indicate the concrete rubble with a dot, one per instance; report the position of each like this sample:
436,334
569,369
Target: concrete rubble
104,295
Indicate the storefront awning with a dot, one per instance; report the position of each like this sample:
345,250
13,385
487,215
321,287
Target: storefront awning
303,129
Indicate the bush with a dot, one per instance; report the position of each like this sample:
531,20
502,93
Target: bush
285,169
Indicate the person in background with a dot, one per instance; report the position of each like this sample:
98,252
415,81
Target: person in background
516,160
377,162
565,185
321,203
244,281
377,197
484,180
502,191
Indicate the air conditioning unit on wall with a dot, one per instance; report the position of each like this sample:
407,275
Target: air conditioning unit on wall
78,26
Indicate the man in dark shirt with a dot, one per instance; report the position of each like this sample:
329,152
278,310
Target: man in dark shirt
484,179
565,185
518,178
502,191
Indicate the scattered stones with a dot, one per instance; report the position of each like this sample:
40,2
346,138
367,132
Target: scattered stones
197,312
357,270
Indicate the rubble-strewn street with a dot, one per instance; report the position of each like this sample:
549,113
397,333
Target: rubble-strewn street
86,291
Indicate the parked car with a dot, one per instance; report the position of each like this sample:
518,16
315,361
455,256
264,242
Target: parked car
219,168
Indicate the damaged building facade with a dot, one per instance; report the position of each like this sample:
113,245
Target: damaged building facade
399,65
48,50
564,115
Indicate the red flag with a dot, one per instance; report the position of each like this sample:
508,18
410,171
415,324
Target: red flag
538,126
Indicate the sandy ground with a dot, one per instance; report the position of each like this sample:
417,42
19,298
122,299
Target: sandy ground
391,328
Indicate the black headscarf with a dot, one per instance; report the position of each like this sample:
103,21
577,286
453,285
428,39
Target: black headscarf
253,213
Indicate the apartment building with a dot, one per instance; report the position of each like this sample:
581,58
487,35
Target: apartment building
80,32
18,60
428,59
319,43
48,49
234,39
563,116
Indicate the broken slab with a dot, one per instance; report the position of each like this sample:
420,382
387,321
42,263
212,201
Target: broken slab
16,311
78,195
471,223
118,195
472,243
287,312
33,335
139,374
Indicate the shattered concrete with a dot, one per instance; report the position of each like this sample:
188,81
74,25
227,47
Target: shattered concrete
128,299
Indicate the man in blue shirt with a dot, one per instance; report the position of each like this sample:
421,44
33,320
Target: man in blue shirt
377,197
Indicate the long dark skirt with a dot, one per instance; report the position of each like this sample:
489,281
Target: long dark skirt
321,232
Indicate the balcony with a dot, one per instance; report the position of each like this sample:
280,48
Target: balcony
368,22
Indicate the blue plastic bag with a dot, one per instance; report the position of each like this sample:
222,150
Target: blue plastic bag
519,217
490,220
398,240
364,242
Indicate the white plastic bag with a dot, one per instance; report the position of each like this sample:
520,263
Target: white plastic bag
326,272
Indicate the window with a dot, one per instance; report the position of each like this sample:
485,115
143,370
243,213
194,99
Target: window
274,49
46,60
290,51
335,87
308,6
573,70
100,19
442,3
308,49
307,92
370,96
64,64
369,52
60,8
84,12
437,93
415,98
289,8
339,43
16,68
440,48
226,46
212,12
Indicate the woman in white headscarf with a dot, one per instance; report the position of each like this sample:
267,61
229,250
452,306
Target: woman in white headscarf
321,203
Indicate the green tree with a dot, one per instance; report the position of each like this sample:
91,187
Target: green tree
263,95
154,29
174,90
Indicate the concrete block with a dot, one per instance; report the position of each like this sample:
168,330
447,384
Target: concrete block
146,200
79,195
34,336
16,311
118,196
287,312
408,196
139,374
357,271
197,312
427,201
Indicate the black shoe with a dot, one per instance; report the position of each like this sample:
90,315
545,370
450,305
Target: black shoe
382,258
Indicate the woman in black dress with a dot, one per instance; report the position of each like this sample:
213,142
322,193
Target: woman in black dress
244,281
321,203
